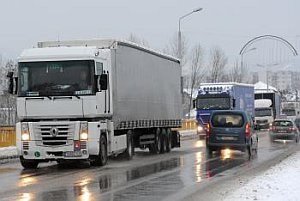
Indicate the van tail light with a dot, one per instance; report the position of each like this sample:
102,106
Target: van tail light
207,129
247,130
272,128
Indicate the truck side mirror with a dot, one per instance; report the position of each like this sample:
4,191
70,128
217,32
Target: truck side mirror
103,81
194,103
233,103
10,76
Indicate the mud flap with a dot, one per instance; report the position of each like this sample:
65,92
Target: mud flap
175,139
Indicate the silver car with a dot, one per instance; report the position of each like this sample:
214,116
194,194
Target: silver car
284,129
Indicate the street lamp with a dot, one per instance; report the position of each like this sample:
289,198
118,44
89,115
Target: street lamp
179,31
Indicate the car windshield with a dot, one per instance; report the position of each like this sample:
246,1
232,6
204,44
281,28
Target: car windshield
227,120
283,123
213,103
52,78
289,112
263,112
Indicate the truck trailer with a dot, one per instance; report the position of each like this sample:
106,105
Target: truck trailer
222,96
90,99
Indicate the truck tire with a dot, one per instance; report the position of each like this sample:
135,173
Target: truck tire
129,152
157,146
163,141
101,159
169,140
28,164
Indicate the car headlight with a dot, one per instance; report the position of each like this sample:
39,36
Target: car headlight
199,128
83,131
25,135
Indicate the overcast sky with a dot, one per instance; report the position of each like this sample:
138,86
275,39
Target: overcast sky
228,24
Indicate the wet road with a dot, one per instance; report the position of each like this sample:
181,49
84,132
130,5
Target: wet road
146,177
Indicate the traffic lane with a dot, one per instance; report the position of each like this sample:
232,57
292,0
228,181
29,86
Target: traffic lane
147,177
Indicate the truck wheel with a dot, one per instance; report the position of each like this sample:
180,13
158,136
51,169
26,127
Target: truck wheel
130,148
163,141
169,140
157,146
101,159
28,164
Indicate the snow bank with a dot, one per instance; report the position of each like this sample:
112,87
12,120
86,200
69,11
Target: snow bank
280,182
8,152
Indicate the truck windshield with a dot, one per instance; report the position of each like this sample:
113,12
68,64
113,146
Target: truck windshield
54,78
213,103
289,112
263,112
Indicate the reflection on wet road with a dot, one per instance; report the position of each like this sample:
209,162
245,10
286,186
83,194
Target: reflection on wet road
146,177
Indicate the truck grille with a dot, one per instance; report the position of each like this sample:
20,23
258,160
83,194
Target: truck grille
54,134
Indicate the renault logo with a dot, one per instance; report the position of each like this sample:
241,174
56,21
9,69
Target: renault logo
54,131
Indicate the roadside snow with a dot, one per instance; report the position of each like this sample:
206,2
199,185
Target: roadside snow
281,182
8,152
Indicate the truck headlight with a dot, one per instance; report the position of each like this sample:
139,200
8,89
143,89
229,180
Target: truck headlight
199,129
83,135
25,136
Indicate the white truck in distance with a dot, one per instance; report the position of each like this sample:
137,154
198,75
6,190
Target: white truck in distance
291,109
263,113
89,99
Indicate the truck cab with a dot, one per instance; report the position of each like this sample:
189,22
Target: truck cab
222,96
264,114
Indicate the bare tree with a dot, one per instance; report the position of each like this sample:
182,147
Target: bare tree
172,48
217,64
238,73
7,101
135,39
196,73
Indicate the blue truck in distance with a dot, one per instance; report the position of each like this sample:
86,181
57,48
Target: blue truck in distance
222,96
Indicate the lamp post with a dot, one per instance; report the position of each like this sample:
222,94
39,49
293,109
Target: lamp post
179,31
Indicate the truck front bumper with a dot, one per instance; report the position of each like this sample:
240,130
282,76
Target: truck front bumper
30,151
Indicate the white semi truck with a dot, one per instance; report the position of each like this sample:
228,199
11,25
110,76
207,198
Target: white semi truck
89,99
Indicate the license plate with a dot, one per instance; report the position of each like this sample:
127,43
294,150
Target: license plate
282,131
72,153
228,138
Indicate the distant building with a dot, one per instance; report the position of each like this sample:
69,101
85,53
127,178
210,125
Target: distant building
282,80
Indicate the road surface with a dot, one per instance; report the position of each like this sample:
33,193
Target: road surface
172,176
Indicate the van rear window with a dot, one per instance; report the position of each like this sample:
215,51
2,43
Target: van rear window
227,120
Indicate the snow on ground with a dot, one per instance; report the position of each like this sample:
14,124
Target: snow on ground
8,152
281,182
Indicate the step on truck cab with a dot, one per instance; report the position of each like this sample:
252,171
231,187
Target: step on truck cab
89,99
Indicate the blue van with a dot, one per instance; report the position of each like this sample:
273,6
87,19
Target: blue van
231,129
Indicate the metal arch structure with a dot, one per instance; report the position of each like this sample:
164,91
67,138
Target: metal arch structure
258,38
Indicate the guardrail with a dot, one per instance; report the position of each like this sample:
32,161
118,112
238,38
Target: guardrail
7,136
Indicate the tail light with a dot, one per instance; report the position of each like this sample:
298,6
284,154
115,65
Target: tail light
272,128
292,129
207,129
247,130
